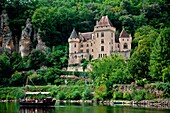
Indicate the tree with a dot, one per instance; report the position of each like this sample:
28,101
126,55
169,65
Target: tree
110,70
139,62
160,60
37,59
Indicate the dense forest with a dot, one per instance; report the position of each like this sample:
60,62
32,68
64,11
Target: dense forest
147,20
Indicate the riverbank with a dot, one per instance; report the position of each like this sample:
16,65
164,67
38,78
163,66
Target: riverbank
142,103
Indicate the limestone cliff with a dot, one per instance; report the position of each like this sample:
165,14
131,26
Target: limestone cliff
25,41
6,42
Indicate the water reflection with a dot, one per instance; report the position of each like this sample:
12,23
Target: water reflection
37,110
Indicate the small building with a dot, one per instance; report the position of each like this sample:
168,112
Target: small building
103,41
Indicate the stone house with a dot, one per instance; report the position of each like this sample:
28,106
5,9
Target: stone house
103,41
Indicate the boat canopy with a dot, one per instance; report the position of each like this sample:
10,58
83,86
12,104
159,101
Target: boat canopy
35,93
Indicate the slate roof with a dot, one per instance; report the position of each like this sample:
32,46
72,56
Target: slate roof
74,34
85,36
104,21
124,34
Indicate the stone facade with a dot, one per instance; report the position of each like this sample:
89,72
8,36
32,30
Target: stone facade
103,41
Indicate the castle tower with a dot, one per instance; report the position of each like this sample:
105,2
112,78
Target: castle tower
104,35
125,40
73,42
73,47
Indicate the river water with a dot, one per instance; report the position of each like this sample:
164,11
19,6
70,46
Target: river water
13,107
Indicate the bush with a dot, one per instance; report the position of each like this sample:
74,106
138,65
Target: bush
127,96
141,82
138,95
17,79
75,95
86,95
61,96
118,95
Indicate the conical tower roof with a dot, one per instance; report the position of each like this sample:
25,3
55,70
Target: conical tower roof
124,33
73,34
104,21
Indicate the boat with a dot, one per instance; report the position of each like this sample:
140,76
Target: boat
31,99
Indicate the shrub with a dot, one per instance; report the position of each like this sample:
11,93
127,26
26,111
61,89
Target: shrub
117,95
100,92
61,96
138,95
86,95
75,95
127,96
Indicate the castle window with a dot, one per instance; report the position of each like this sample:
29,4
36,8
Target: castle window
81,45
74,51
102,41
87,50
0,44
87,45
82,56
75,57
97,35
91,44
102,48
118,46
81,51
111,34
102,34
122,39
127,39
99,56
125,46
74,45
111,41
92,50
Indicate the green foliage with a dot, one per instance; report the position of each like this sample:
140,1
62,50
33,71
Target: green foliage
141,82
127,96
76,95
117,95
100,92
138,64
37,58
159,62
86,95
61,96
17,79
110,70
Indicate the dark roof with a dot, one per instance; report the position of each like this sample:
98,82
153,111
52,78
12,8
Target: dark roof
124,34
117,38
104,21
74,34
85,36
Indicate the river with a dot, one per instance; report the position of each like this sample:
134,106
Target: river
13,107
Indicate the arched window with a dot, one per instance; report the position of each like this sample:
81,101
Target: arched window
125,46
74,45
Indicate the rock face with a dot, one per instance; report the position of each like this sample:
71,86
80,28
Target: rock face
6,42
41,45
25,41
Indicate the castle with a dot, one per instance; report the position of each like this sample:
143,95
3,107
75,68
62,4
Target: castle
103,41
